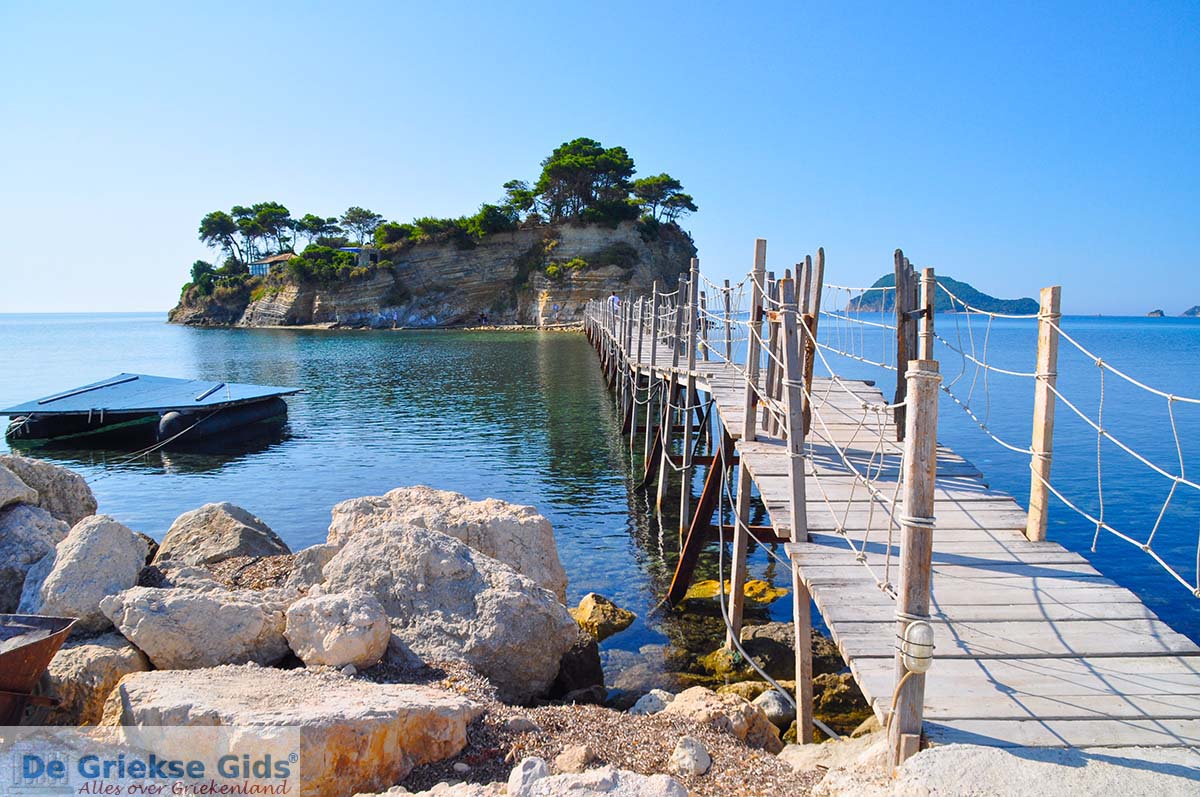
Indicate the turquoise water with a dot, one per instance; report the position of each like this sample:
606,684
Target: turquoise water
524,416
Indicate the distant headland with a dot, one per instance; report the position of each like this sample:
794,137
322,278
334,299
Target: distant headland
874,300
584,229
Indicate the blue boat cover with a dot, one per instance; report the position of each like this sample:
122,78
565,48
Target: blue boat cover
145,393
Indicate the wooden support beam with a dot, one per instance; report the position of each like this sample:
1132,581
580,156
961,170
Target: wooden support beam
699,527
670,397
728,324
928,298
647,442
813,283
1049,314
737,574
916,549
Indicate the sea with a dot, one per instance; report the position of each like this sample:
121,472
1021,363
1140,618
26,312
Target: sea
524,416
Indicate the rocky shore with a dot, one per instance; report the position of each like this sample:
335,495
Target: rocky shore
424,648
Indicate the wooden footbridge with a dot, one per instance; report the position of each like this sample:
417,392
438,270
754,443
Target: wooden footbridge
888,533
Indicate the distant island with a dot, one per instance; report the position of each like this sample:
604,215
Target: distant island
877,300
1191,312
1155,314
584,229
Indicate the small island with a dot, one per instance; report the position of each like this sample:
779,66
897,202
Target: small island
1192,312
878,299
584,229
1155,314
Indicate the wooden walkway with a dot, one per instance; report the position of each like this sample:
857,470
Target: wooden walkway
1034,647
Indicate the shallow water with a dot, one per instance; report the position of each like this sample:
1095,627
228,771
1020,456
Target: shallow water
524,416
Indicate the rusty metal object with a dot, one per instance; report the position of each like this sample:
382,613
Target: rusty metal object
27,644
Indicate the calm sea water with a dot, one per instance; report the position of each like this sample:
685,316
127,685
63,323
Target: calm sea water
524,416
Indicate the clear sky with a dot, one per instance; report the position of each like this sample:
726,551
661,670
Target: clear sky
1013,146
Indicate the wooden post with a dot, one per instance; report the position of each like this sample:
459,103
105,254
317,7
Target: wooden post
637,373
815,283
916,550
737,576
928,298
905,351
703,326
670,394
1049,314
728,325
689,395
651,376
772,334
792,381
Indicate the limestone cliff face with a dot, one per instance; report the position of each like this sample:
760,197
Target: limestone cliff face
504,275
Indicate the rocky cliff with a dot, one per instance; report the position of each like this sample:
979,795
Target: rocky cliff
513,277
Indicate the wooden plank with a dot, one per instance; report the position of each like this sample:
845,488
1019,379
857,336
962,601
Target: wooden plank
840,606
1066,733
1025,640
1015,706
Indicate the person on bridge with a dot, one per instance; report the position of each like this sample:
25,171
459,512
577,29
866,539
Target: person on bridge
615,301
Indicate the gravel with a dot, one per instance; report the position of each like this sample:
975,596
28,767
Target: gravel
642,744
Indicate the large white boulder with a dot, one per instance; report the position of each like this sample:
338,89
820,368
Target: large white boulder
729,713
355,736
27,534
13,490
308,564
61,492
82,673
532,778
216,532
183,628
514,534
449,602
99,557
338,629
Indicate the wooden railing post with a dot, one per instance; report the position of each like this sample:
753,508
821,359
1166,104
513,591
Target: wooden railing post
1049,314
906,337
913,632
703,326
652,375
737,591
813,284
728,324
671,395
928,299
792,380
772,292
685,492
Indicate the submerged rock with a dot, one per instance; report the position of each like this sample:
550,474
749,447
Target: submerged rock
355,735
98,558
61,492
183,629
513,534
215,532
755,590
336,630
449,602
600,617
82,673
27,534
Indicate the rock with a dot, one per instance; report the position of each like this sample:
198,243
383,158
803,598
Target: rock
15,491
61,492
838,702
531,778
747,690
98,557
355,735
338,630
183,629
652,702
869,725
525,774
778,710
448,602
600,617
689,758
574,758
592,696
521,725
180,576
580,668
728,713
349,671
1155,314
27,534
772,646
461,768
308,564
151,546
515,535
215,532
82,674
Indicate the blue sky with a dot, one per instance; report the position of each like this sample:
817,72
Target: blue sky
1013,146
